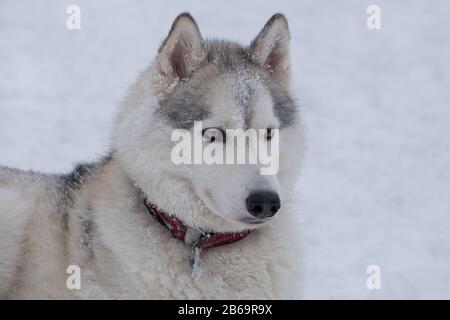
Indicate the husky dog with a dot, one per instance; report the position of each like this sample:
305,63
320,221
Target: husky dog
137,225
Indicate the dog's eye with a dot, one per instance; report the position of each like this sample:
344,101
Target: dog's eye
269,133
213,135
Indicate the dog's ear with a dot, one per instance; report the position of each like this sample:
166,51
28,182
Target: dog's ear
183,49
271,47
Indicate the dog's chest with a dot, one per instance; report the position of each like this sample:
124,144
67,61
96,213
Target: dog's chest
155,265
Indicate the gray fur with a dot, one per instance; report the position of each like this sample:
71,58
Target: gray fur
184,105
284,105
187,102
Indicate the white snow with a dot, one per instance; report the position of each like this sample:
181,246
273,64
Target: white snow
376,183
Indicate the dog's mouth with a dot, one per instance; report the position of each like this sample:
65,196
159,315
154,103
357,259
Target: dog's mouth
254,221
250,221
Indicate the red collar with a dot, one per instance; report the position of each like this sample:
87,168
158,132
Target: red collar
179,230
204,240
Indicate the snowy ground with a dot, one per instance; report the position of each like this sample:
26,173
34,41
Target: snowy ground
376,184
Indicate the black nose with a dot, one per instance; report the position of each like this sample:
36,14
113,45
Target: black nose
263,204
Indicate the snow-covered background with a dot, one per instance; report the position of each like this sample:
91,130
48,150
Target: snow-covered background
376,183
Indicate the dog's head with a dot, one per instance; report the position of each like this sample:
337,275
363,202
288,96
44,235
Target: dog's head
207,89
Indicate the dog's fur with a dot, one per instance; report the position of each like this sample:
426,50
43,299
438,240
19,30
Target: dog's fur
94,218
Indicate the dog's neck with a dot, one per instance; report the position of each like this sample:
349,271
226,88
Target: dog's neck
189,220
199,235
197,239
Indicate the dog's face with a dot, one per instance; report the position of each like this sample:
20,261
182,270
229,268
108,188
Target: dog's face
235,101
226,87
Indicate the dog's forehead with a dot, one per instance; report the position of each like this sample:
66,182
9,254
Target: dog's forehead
228,91
241,99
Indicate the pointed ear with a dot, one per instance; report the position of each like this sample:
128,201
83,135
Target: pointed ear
183,50
271,47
